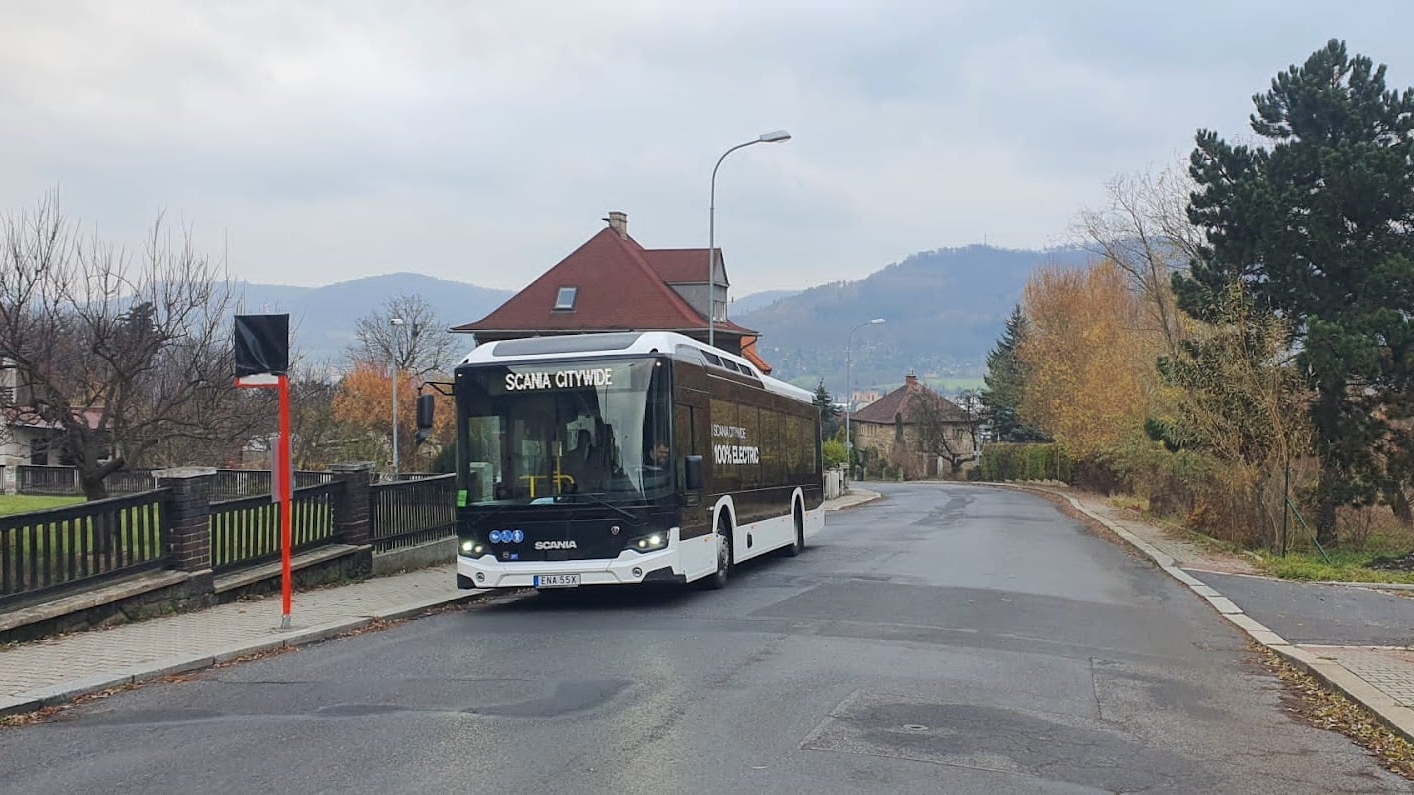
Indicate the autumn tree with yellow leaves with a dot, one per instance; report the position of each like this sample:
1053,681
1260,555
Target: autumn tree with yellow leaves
363,403
1090,354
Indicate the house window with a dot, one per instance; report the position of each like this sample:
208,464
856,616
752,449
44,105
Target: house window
898,427
958,433
39,451
564,299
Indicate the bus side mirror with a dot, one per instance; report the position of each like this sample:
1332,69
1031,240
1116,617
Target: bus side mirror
692,472
424,412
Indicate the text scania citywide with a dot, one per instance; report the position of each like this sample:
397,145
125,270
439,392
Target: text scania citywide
560,379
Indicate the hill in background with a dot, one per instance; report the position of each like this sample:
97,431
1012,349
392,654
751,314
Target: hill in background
943,311
761,300
322,318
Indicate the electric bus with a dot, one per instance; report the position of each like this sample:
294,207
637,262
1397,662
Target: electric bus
624,458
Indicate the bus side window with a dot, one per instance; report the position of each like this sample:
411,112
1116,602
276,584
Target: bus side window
683,437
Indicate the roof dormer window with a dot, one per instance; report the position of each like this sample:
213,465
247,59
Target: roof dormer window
564,299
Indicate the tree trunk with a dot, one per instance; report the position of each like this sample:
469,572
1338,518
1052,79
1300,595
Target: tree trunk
1326,504
1331,485
1400,504
93,487
91,478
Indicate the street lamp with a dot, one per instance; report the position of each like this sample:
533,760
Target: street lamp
393,351
849,394
764,138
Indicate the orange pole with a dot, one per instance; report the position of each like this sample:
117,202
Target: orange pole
286,475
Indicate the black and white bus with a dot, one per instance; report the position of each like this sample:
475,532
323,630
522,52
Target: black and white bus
624,458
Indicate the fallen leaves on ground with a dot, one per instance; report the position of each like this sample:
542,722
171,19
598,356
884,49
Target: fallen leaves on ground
1318,706
257,655
57,710
30,718
373,625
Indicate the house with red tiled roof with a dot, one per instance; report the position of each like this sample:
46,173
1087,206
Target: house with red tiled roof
611,283
915,431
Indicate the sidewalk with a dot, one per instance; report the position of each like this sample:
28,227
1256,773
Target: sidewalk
54,670
855,496
1379,677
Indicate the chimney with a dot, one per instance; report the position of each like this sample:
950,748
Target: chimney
910,379
618,221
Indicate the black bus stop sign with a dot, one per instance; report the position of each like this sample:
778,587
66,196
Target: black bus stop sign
262,344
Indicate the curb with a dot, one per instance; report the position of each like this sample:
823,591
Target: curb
873,496
1369,586
55,695
1395,716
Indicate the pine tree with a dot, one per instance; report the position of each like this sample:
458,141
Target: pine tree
829,412
1006,383
1319,229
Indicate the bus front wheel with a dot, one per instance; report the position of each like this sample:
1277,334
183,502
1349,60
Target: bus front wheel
718,579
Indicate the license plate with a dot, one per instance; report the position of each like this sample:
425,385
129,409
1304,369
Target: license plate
556,580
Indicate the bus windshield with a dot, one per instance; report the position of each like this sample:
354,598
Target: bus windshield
560,432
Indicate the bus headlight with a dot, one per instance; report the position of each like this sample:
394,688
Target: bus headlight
472,549
649,543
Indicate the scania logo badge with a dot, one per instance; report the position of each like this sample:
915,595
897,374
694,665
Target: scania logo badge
543,545
507,536
614,530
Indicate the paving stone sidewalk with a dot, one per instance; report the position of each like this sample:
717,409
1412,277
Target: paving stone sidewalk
54,670
1382,678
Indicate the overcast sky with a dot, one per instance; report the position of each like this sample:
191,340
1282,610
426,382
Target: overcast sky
483,141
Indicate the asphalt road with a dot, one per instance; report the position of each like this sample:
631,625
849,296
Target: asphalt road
1303,612
944,639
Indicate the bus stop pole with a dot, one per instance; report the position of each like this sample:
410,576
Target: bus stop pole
287,475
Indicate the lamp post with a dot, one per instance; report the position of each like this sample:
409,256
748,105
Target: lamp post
393,350
849,394
764,138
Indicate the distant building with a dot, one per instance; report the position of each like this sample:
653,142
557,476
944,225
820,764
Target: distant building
24,437
863,397
916,431
611,283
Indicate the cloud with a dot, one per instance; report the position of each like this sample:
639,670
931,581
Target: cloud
327,140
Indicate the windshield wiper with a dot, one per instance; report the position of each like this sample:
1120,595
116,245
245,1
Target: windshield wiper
485,515
601,501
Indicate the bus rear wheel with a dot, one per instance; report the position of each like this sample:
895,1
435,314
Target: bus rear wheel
799,543
718,578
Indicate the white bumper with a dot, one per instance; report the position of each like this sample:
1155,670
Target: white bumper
627,568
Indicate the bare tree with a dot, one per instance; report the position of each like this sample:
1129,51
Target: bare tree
1146,233
418,344
941,427
128,360
317,436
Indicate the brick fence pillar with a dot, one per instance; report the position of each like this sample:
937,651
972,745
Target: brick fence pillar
352,524
188,513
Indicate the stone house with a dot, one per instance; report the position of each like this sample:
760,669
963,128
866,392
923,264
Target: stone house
916,431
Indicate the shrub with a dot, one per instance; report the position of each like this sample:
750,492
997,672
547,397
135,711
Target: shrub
1013,461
